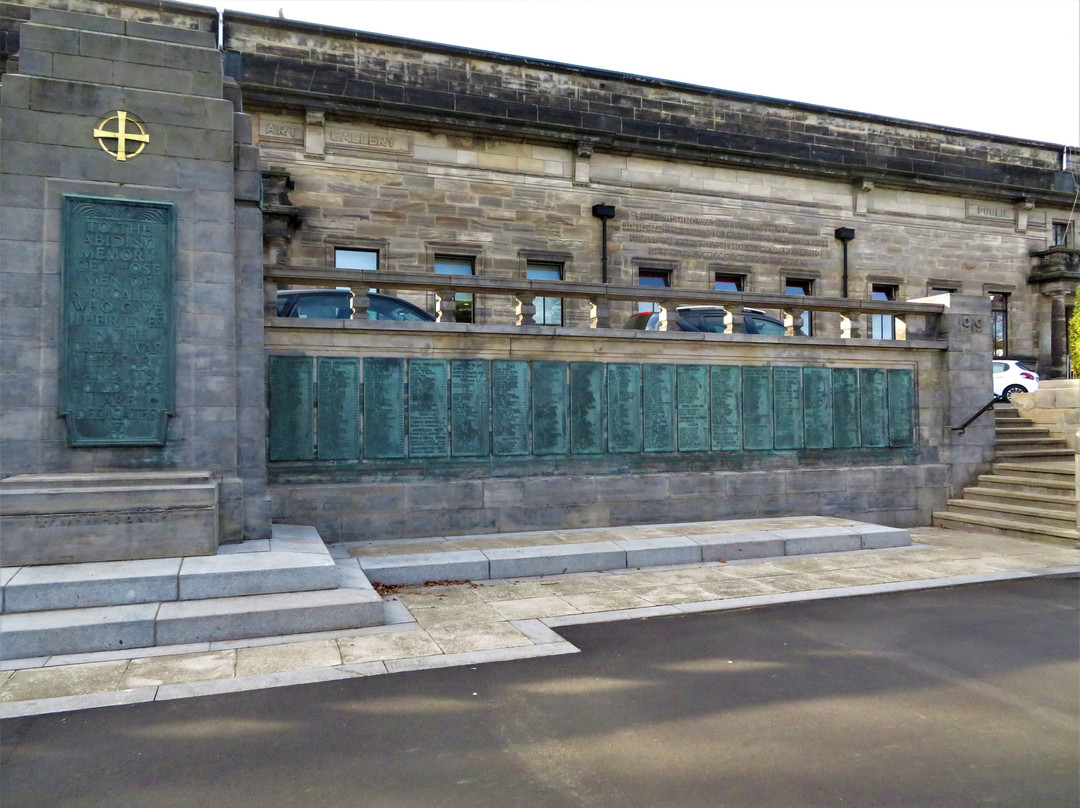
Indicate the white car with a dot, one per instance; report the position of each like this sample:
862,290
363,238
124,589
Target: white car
1011,377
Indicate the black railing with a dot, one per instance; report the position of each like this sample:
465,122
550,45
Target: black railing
986,407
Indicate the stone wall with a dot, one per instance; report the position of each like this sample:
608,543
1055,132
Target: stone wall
1055,406
457,496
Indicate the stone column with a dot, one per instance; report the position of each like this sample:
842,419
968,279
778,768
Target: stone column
525,309
1059,328
600,312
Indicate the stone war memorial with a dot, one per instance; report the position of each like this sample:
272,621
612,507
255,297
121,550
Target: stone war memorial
166,172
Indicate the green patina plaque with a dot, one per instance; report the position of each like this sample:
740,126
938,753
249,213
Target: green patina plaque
586,407
337,411
291,380
692,391
510,412
757,409
817,408
873,407
429,416
550,407
901,407
658,405
384,408
845,399
787,408
117,339
470,408
725,394
624,407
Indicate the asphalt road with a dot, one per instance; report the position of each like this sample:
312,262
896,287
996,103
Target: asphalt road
961,697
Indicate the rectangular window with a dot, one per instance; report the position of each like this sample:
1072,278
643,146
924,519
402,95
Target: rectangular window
882,326
1062,234
356,259
999,322
728,283
548,309
451,265
655,278
805,288
943,290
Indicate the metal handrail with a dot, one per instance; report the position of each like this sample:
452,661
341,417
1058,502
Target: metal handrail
988,406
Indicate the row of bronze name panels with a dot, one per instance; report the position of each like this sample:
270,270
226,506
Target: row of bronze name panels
334,408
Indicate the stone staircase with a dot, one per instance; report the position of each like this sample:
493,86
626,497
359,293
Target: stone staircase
1031,492
289,584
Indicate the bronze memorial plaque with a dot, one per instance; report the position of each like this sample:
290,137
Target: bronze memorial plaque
117,342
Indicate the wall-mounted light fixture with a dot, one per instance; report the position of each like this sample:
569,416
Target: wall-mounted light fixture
603,213
845,234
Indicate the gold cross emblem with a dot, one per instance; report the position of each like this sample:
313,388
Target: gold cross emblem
121,135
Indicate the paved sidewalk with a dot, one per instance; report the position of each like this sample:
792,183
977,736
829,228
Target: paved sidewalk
442,626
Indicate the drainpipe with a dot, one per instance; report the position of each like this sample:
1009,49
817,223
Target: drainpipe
845,234
603,213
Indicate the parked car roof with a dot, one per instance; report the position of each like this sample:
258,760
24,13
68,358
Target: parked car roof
336,304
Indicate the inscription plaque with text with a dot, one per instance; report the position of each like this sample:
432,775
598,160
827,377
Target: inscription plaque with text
873,406
117,346
725,394
817,408
429,419
692,386
292,408
845,387
384,407
658,404
787,408
757,408
901,407
338,410
586,407
510,407
624,407
550,405
470,408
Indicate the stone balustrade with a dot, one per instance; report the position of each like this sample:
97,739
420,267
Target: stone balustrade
911,319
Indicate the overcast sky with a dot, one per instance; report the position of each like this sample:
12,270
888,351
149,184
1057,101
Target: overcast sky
1010,67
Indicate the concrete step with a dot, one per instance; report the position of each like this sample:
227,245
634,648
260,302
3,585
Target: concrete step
1019,529
1051,517
1007,432
107,628
294,560
1028,485
677,548
1009,496
1029,443
1062,471
1028,455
